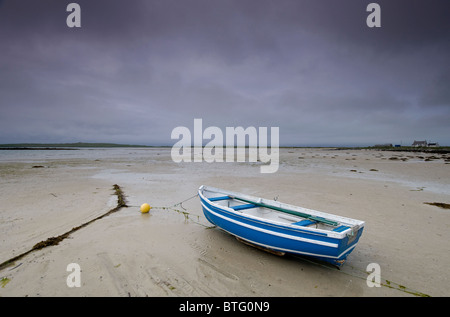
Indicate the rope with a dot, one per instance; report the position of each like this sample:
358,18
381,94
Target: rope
363,276
181,202
184,212
177,204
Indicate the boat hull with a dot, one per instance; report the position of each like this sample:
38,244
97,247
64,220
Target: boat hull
281,238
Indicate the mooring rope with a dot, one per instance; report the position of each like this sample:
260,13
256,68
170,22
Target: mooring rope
183,201
184,212
363,274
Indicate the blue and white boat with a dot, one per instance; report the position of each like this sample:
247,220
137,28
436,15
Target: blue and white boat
281,228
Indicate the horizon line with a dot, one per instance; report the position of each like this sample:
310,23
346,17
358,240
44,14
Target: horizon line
111,144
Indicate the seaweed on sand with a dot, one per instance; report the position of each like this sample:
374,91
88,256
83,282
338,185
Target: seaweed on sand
56,240
441,205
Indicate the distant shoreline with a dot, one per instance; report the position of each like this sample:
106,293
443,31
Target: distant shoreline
36,148
65,146
421,149
79,145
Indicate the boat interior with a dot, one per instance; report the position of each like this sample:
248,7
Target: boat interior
269,214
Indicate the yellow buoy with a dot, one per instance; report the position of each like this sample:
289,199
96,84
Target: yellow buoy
145,208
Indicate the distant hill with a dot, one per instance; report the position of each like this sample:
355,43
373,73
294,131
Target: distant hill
68,145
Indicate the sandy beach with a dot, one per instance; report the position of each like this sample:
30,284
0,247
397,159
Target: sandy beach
174,251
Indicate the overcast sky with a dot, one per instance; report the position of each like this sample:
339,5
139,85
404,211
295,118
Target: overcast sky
137,69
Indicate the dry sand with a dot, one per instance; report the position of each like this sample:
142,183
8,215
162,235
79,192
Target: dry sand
168,253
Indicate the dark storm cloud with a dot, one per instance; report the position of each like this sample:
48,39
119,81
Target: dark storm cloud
137,69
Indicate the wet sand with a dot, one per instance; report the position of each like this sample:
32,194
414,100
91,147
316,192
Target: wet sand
176,252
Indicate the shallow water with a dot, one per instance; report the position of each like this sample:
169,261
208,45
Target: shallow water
39,156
